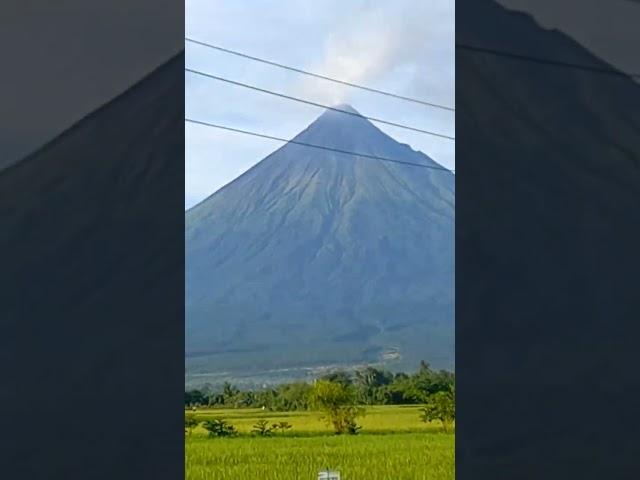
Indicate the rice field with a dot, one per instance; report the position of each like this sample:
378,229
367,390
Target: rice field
393,444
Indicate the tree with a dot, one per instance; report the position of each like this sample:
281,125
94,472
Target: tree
400,392
216,399
420,386
244,399
268,399
293,396
190,422
369,382
371,386
441,406
194,397
337,402
338,376
229,393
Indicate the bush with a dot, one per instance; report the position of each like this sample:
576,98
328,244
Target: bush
337,402
262,428
440,406
219,428
190,422
282,426
352,428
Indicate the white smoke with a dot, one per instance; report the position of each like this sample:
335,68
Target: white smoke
378,38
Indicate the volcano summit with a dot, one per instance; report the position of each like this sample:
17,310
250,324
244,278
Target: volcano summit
314,257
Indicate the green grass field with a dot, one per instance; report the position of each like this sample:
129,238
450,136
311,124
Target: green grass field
393,444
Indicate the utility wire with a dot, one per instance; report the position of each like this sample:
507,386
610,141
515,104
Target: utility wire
546,61
316,75
321,147
320,105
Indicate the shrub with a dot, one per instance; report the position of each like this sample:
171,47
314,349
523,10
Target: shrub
440,406
282,426
352,428
336,401
190,422
262,428
219,428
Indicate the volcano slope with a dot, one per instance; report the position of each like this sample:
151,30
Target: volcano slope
314,257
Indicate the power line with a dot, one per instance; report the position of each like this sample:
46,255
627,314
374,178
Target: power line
316,75
320,105
311,145
546,61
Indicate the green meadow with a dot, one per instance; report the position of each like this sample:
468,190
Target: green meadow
393,444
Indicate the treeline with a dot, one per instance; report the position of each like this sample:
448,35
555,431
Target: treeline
370,386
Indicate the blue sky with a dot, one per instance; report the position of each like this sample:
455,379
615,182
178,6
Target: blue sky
406,47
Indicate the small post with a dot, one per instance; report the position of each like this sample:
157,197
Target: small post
329,475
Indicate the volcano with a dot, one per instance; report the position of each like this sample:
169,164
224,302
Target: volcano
316,257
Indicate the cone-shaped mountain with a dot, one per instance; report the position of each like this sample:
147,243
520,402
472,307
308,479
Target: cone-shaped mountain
316,257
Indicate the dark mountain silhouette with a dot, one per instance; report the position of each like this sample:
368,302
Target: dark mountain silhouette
548,174
314,257
92,282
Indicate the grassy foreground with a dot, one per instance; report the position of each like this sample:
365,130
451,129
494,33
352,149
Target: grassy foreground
393,444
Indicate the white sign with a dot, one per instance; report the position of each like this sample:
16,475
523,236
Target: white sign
328,475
